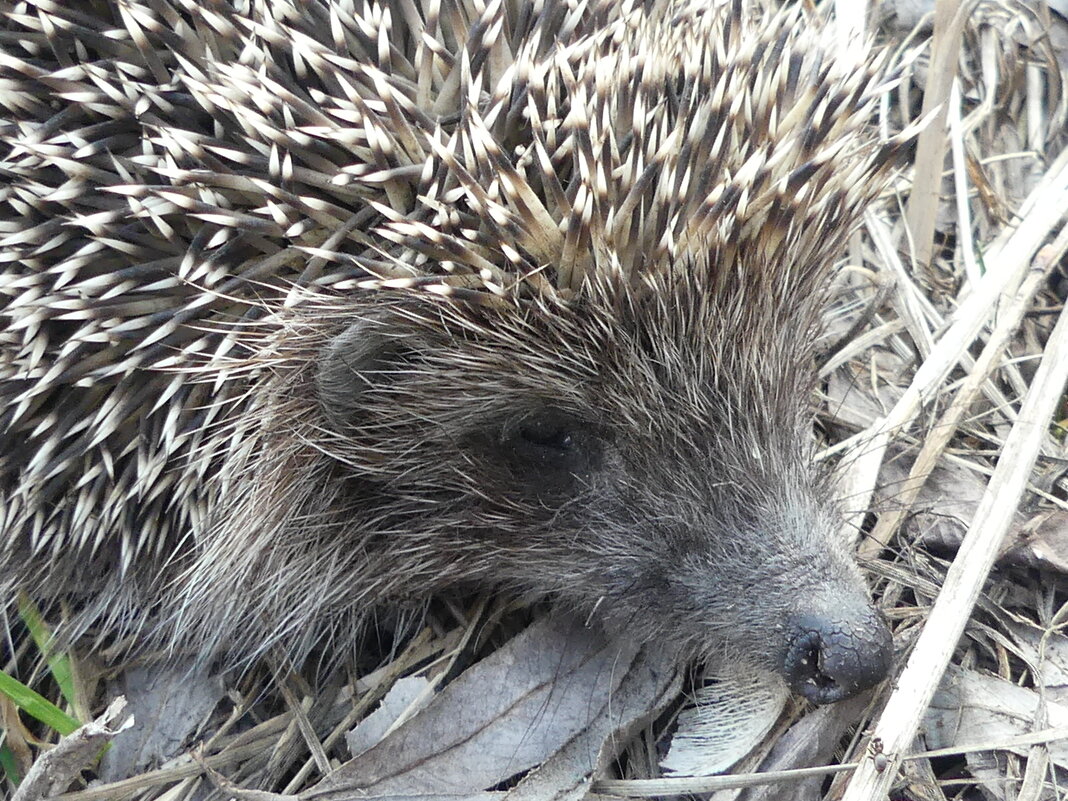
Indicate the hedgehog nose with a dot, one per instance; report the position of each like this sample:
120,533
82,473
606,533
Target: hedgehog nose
834,656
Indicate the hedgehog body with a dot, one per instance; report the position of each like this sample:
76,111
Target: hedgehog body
311,307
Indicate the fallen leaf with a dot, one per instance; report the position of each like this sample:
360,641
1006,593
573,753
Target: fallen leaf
402,696
503,716
729,717
168,702
55,769
972,707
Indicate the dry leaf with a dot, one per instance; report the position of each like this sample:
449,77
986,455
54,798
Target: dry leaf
972,707
402,697
55,769
728,719
505,715
650,685
168,702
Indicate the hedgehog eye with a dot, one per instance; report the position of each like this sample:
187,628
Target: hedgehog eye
549,434
550,443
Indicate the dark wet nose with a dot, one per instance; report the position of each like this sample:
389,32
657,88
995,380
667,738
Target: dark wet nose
832,657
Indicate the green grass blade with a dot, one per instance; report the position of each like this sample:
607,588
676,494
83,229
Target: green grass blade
58,663
9,766
36,705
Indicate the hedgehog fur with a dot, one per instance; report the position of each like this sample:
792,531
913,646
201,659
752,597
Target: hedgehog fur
314,306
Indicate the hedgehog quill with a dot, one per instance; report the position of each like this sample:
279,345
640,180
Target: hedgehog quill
310,308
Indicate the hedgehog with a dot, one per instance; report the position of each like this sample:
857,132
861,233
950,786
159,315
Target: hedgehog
322,308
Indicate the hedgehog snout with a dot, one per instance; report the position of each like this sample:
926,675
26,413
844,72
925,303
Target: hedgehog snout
836,654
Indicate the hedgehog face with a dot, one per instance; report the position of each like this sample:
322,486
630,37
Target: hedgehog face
603,453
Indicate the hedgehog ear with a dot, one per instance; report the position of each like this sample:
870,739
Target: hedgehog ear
360,357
